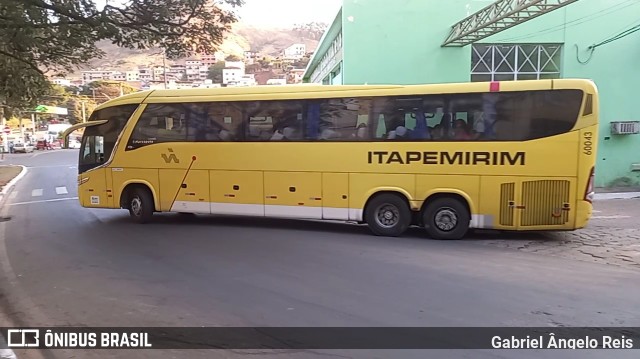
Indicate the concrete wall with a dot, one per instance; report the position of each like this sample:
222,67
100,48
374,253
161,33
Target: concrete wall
613,67
391,42
399,42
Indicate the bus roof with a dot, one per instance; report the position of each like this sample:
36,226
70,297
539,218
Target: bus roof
305,91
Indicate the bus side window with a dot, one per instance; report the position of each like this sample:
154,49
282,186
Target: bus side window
342,119
274,121
212,122
160,123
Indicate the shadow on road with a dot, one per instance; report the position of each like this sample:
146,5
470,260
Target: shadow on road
334,227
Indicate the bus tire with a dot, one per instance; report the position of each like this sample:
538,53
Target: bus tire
141,206
388,215
446,218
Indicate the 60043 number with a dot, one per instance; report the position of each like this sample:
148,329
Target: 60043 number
587,146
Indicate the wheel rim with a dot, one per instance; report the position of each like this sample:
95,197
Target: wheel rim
387,215
136,206
446,219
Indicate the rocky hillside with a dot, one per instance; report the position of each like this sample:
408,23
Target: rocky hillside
265,41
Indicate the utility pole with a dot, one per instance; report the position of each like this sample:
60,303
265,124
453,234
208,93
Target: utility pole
84,115
5,137
164,67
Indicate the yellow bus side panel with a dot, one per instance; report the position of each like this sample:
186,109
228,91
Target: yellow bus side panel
293,194
335,196
466,186
121,177
497,199
237,192
191,196
588,149
364,185
93,193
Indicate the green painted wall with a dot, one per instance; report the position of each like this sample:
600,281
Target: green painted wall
614,68
390,42
398,42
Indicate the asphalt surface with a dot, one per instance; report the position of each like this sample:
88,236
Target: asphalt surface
66,265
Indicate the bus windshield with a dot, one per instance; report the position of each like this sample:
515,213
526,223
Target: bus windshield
98,141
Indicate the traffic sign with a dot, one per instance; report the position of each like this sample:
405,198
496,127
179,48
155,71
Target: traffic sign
7,130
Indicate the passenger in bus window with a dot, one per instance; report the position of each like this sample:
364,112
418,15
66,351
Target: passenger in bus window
362,132
442,131
461,131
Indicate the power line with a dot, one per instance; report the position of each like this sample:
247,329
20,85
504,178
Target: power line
593,47
574,22
617,37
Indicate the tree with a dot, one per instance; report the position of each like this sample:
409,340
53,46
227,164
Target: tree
106,90
215,72
233,58
55,36
302,63
74,105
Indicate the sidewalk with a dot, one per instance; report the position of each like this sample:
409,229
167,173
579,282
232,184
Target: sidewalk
4,352
617,193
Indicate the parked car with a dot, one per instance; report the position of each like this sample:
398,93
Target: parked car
24,147
74,144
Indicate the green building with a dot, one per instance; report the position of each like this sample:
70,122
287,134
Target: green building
401,42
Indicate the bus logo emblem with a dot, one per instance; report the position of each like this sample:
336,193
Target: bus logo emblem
170,158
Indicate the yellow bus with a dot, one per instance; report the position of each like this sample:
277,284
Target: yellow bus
512,156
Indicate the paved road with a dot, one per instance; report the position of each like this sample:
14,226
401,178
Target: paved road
66,265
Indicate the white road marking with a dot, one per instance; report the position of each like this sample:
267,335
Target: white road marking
61,166
61,190
37,192
610,217
13,195
594,211
44,201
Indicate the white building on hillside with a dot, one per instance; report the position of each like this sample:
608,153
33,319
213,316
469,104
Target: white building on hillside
230,75
294,52
61,82
96,75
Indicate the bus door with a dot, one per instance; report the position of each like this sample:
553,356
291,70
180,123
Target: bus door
92,178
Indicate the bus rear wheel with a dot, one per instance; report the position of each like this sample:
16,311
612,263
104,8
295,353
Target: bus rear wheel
388,215
141,205
446,218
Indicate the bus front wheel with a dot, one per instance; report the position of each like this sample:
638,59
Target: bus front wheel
388,215
446,218
141,205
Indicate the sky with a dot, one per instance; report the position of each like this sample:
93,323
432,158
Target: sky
276,13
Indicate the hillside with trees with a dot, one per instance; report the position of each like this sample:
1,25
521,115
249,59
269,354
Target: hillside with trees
241,38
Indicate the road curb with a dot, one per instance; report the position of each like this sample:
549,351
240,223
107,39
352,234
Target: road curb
12,183
619,195
5,318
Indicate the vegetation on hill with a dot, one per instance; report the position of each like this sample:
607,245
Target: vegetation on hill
39,36
241,38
